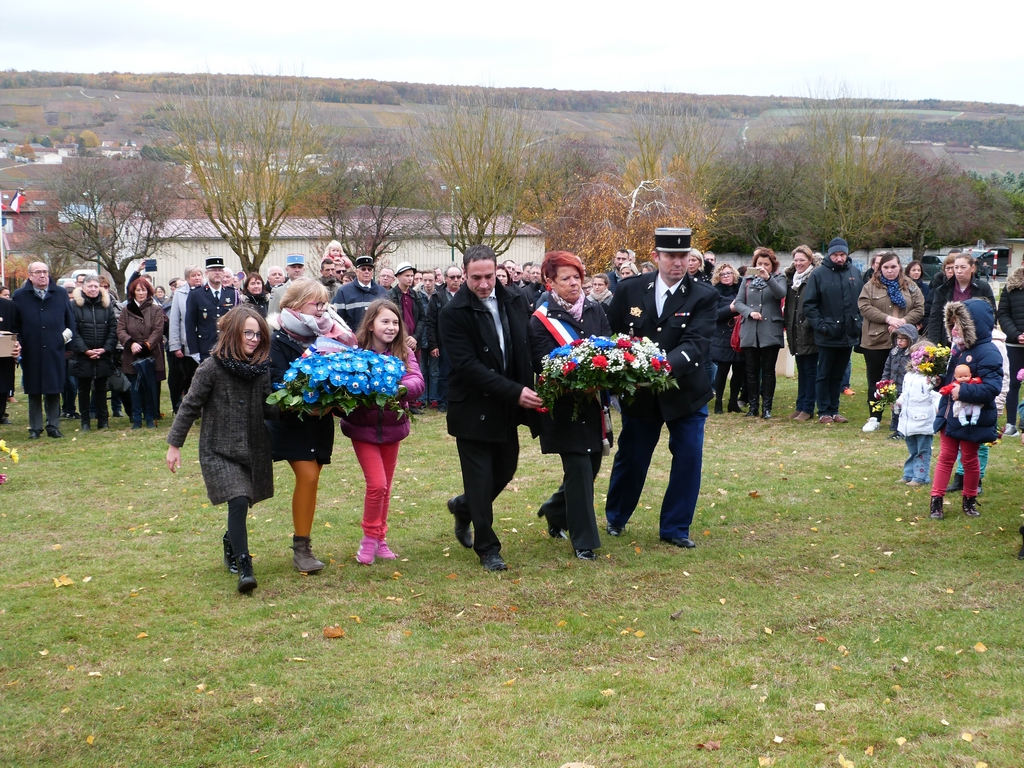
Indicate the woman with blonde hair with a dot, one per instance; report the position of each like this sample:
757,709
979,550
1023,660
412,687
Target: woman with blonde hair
799,333
306,443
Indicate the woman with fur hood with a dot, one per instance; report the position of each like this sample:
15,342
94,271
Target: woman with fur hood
92,348
969,325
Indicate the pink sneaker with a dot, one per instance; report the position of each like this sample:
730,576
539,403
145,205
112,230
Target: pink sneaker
383,551
367,550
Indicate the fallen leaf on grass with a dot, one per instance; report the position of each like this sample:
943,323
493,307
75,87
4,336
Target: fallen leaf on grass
95,674
768,631
721,600
949,591
562,623
452,576
44,652
62,581
844,762
901,741
710,746
778,739
333,632
819,707
87,579
509,682
637,550
56,546
980,647
640,633
763,761
141,635
944,721
754,495
608,692
296,658
968,737
869,751
257,700
980,764
90,739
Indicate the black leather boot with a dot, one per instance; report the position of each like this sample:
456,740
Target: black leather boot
936,513
751,409
766,409
971,506
229,555
246,578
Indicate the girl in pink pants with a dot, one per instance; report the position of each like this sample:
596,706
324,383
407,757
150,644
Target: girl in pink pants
376,432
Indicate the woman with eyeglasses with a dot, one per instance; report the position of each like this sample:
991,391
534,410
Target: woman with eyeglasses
229,390
305,443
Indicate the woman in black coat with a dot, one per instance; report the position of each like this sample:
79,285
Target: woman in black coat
727,281
961,287
1011,319
306,443
578,441
93,348
799,333
255,295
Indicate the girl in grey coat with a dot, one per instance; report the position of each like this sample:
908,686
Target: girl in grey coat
229,390
759,301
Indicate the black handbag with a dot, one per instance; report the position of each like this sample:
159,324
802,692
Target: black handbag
118,382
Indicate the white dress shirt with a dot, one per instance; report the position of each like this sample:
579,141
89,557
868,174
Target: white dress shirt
662,291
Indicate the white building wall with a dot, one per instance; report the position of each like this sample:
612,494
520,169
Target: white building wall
424,253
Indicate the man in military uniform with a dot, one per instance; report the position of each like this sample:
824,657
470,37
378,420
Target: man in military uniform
677,312
205,307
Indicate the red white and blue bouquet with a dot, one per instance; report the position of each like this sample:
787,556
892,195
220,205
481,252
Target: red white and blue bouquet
330,375
620,365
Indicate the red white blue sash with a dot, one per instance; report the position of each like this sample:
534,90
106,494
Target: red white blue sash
562,331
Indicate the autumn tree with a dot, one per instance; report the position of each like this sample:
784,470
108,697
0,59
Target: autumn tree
364,195
88,139
487,151
111,213
252,147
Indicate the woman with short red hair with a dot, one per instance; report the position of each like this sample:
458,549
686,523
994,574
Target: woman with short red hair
566,315
759,301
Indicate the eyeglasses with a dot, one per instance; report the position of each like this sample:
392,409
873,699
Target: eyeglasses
319,305
39,272
252,335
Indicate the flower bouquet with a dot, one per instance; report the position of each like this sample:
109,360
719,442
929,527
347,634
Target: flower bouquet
330,375
885,393
620,365
930,361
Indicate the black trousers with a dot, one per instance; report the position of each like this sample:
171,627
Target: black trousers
92,393
739,380
179,377
874,361
760,362
571,507
6,383
486,469
238,534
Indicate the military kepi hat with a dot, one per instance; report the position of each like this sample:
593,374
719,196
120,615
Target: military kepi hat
214,262
364,261
672,239
294,258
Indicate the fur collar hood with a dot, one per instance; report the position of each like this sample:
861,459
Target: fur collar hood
79,298
975,318
1016,280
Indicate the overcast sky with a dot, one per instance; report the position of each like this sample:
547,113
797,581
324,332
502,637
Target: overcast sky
887,48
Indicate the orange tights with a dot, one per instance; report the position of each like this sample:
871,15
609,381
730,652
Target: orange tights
307,480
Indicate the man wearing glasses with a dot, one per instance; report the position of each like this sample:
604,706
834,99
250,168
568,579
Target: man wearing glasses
44,325
352,299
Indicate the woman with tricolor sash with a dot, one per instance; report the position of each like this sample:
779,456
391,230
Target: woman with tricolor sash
575,429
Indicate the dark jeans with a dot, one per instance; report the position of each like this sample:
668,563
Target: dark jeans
832,362
637,442
443,367
1016,357
145,396
760,362
806,373
571,507
92,395
70,394
739,375
179,377
874,360
486,469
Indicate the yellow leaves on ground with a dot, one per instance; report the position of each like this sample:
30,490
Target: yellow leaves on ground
768,631
967,736
844,762
980,764
356,619
763,761
296,658
819,707
778,739
332,632
90,739
980,647
62,581
869,751
509,682
56,547
901,741
721,600
141,636
608,692
562,623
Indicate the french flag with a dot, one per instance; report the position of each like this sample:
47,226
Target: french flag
19,198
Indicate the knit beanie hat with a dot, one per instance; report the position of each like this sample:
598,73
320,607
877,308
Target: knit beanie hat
838,245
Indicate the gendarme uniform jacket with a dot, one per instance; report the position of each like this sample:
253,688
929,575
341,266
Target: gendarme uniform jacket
202,311
683,331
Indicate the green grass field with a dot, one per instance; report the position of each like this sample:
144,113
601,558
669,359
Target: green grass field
822,615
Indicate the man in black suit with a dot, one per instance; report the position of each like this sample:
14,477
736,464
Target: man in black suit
679,314
484,330
205,307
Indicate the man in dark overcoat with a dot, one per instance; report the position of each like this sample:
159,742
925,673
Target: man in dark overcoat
44,325
484,330
678,313
205,306
8,317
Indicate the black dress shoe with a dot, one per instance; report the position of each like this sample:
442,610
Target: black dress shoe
557,533
682,543
493,563
462,531
4,420
585,554
33,434
615,530
51,432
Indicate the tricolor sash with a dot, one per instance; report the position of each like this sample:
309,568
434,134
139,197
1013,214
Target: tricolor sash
562,331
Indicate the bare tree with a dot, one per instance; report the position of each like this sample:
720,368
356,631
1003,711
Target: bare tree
112,213
364,195
253,152
486,151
